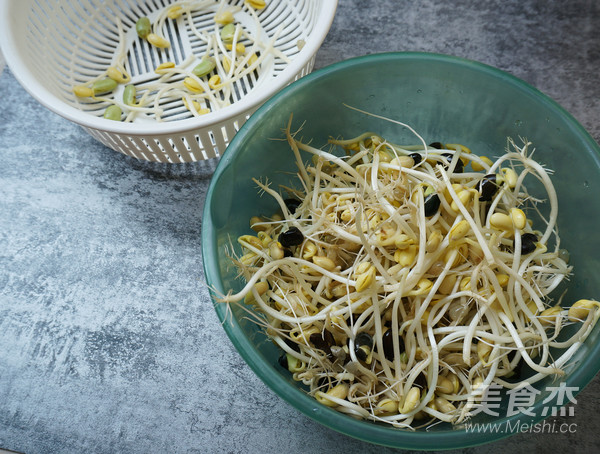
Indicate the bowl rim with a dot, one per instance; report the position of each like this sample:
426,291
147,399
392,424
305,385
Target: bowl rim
19,68
372,433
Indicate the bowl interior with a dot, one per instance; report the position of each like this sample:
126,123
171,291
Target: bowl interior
444,99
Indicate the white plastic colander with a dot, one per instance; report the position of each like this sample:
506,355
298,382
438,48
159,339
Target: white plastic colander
53,45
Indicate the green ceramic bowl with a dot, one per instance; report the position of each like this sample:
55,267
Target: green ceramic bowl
445,99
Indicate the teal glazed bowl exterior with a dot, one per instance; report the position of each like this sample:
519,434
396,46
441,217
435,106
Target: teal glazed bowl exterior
444,99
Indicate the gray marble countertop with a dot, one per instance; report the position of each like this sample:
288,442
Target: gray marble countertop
108,339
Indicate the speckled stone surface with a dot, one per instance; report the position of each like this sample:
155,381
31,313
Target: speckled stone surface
108,339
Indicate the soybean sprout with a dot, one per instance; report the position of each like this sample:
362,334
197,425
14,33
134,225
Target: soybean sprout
232,57
402,281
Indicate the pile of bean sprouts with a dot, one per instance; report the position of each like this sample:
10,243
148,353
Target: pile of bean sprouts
177,84
394,308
